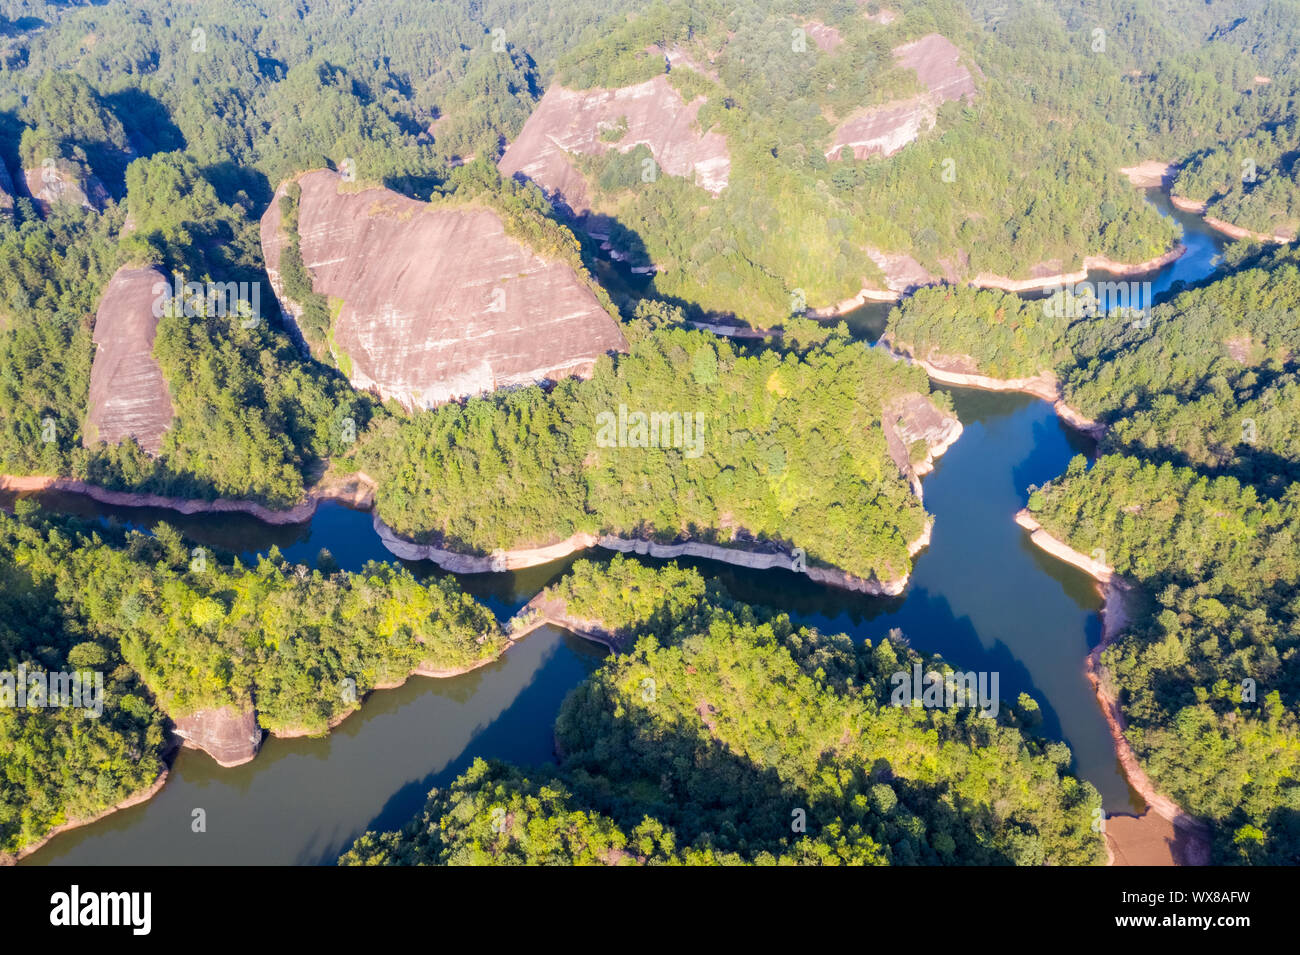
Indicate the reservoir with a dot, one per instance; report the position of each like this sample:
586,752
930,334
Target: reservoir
981,595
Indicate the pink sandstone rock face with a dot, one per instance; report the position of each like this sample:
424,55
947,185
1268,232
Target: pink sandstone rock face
229,735
887,129
572,121
826,37
438,303
62,184
128,394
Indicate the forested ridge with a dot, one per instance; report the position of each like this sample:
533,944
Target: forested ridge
1206,379
155,133
728,736
776,448
175,629
1209,673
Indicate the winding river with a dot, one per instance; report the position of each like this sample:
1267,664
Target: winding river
980,594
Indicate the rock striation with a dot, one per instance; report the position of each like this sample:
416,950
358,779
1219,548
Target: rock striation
61,183
579,122
432,303
230,736
128,394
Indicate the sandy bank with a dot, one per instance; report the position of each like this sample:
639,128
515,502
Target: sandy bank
949,371
1191,846
1151,173
135,799
355,490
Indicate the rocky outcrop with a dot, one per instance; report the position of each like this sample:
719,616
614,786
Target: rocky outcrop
568,122
886,129
128,394
437,302
228,734
903,275
960,370
547,610
60,183
913,418
826,37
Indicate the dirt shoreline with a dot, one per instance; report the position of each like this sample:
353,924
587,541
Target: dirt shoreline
1193,846
1091,263
135,799
520,558
355,490
987,280
1042,385
1235,232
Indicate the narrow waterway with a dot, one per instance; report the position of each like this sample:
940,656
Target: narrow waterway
980,595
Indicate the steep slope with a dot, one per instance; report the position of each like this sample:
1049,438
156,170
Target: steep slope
430,303
128,394
61,183
652,113
886,129
6,192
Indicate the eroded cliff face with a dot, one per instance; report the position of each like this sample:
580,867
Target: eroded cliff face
573,121
128,394
229,735
913,418
436,303
886,129
64,184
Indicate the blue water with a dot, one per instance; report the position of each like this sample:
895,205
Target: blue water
980,595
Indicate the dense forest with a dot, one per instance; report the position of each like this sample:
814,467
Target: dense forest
774,449
156,133
728,736
174,629
1209,676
